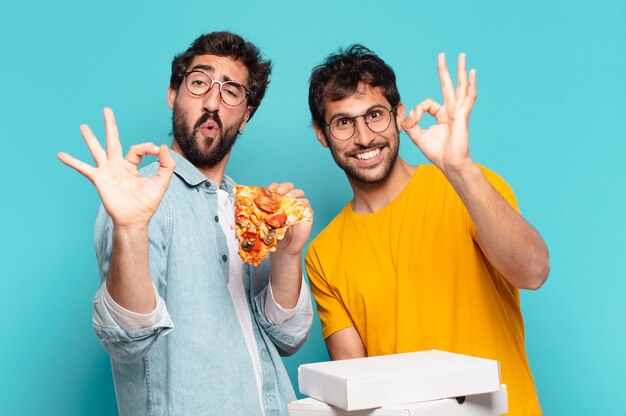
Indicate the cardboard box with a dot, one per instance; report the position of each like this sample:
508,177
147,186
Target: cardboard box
488,404
365,383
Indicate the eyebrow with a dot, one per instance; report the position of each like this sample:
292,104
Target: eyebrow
340,115
211,69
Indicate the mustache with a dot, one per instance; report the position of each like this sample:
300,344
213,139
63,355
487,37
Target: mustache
359,148
208,116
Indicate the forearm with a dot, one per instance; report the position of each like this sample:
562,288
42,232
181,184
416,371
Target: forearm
345,344
128,280
286,278
510,243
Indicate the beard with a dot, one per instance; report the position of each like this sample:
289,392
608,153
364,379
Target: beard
198,150
363,174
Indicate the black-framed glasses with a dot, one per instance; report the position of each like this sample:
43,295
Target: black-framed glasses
199,83
376,119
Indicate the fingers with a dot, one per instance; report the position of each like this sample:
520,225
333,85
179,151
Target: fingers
471,90
288,189
465,87
429,106
465,94
410,124
296,194
97,152
114,148
81,167
410,121
282,188
447,88
138,151
461,76
166,165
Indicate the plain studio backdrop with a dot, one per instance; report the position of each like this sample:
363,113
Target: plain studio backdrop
549,118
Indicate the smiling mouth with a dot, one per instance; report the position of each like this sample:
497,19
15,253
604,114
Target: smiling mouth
368,155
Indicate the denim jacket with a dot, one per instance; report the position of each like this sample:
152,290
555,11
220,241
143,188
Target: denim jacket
202,366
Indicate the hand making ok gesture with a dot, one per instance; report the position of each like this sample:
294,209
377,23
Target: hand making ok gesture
446,144
128,198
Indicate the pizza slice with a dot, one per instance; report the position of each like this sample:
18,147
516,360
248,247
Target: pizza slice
261,220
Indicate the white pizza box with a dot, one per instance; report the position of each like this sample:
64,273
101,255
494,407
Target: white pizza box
365,383
486,404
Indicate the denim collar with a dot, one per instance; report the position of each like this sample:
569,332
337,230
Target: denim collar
193,177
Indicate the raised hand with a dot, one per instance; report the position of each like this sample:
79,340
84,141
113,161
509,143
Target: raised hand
128,198
446,144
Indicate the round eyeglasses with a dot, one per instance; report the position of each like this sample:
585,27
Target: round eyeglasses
199,83
377,120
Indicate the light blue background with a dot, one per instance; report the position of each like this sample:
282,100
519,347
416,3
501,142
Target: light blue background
549,118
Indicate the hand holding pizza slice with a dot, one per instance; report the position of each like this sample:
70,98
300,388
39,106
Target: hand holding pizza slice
262,217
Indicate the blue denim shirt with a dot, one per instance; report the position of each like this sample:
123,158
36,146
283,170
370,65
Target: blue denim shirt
202,366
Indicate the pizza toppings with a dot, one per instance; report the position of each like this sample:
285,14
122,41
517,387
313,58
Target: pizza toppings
276,220
261,220
266,200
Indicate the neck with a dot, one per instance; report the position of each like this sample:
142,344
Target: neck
372,197
214,173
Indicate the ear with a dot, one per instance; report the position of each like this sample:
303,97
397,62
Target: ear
246,117
400,115
171,97
321,135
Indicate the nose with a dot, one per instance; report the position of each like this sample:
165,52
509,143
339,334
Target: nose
212,99
362,134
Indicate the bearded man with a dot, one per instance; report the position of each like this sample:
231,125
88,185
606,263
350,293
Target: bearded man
168,256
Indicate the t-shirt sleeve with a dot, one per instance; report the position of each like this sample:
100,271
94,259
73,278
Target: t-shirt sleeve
331,310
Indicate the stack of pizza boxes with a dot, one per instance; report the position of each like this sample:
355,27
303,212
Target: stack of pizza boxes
423,383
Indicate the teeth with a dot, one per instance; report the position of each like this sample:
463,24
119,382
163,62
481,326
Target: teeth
368,155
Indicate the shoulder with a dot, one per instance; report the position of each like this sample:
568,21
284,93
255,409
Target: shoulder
332,234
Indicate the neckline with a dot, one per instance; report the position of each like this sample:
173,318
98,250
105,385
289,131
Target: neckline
348,208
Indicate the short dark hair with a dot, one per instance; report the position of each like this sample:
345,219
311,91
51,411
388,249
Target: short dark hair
340,75
229,45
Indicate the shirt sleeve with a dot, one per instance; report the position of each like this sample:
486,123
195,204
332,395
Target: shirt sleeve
332,312
128,345
277,315
128,320
287,336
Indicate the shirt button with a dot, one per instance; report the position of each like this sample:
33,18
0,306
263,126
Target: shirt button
270,399
224,257
217,219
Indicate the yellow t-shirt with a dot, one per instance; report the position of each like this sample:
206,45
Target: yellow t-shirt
410,277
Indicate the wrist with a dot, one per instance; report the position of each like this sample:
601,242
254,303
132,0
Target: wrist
461,171
130,232
280,258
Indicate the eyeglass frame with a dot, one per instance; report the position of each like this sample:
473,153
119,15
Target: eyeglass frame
393,110
248,93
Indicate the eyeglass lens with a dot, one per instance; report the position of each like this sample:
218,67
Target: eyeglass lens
199,83
377,120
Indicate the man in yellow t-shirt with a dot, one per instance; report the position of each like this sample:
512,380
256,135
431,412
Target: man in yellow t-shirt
426,257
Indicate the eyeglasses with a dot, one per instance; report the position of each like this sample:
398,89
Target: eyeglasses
199,83
377,120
